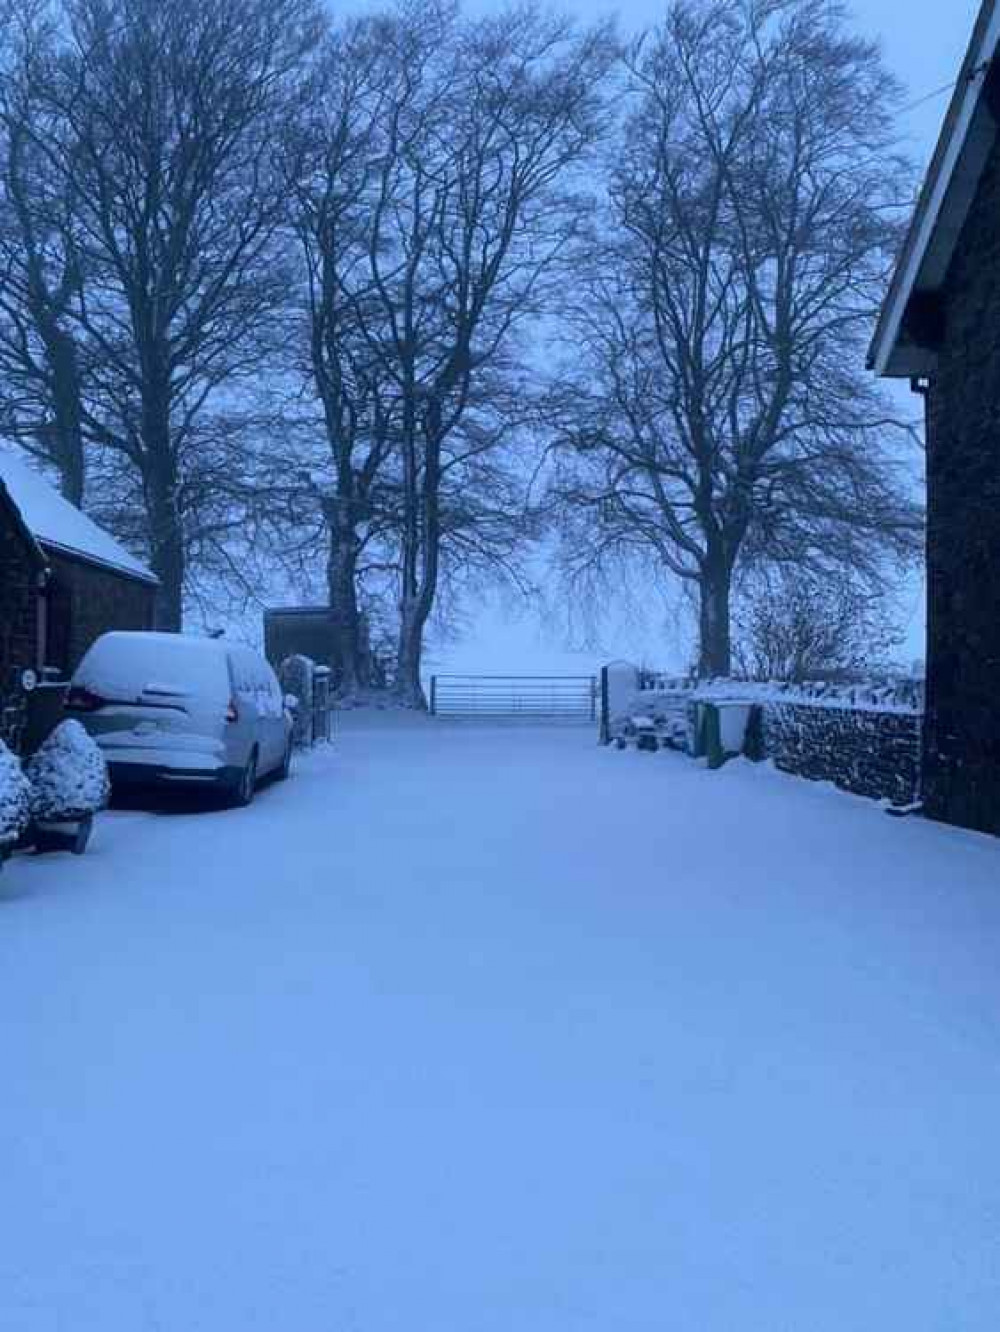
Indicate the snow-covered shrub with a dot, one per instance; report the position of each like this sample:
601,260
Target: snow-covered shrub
15,798
68,775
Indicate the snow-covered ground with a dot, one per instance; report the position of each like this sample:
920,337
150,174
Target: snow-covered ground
474,1030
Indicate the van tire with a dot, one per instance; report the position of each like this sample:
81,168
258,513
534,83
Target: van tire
285,769
246,784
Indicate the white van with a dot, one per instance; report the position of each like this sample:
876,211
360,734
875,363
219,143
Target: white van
174,708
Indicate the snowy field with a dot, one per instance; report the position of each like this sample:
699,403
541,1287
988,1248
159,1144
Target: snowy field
493,1031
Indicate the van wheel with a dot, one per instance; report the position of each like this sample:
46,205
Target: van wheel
243,792
286,765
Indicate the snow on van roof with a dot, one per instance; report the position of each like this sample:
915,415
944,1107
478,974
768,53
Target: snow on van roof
56,523
157,638
122,664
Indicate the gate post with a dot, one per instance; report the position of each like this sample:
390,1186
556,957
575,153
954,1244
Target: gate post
604,736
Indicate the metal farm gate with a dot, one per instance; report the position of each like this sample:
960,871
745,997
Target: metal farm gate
551,698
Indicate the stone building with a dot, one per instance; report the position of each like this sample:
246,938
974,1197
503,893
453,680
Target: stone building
23,574
63,581
940,329
309,631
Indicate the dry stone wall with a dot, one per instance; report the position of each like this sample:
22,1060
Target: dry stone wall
864,738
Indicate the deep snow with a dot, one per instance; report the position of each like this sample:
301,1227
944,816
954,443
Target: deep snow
493,1031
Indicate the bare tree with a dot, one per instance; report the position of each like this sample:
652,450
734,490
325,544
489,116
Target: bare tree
795,627
41,358
170,113
473,207
720,413
333,160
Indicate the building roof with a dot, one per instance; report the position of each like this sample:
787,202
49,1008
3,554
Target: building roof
59,526
31,546
966,139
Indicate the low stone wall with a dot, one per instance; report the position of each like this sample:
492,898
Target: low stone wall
864,738
872,753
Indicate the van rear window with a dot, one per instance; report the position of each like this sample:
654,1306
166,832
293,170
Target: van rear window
126,666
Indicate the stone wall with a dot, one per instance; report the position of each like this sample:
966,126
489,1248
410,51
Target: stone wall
865,738
19,573
18,603
87,601
872,753
962,733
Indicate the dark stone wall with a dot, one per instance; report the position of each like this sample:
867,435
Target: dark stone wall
18,627
962,733
868,750
87,601
18,603
875,754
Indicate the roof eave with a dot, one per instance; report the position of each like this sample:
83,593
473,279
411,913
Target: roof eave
967,136
28,538
146,577
908,362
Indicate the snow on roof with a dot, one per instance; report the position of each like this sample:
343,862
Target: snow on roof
966,139
56,523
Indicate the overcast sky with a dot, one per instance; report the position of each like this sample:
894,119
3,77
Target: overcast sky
924,42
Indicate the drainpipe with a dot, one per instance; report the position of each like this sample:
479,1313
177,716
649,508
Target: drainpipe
42,623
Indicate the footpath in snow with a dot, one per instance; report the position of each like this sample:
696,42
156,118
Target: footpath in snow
486,1030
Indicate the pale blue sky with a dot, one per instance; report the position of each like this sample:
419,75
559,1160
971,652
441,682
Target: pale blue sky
924,42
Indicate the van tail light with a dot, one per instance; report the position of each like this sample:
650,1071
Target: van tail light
232,712
81,699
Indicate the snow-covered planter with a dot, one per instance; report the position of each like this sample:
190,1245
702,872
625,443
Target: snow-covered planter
15,802
69,780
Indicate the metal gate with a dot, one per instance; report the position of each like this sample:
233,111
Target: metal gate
570,698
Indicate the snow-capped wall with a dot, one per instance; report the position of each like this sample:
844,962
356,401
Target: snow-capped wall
904,696
864,737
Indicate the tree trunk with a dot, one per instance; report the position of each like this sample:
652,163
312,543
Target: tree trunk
161,483
421,559
346,621
715,640
160,476
67,428
167,553
407,686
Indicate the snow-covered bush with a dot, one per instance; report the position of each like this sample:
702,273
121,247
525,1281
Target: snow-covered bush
15,798
68,775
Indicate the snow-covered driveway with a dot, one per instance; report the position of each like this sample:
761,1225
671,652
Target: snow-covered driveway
493,1031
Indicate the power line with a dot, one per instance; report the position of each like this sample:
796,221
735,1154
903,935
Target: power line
929,97
945,88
